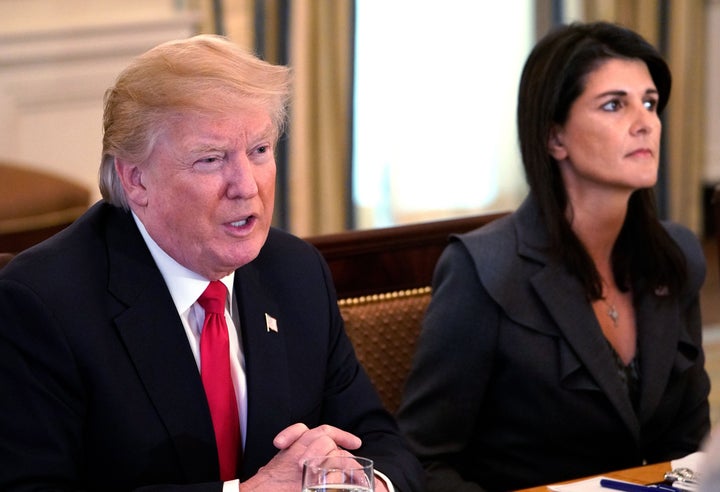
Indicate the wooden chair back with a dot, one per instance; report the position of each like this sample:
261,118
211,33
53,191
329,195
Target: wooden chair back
36,204
383,279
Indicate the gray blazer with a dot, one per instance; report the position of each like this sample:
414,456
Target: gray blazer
514,384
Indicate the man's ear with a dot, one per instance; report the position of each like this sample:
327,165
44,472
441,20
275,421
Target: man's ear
555,144
131,178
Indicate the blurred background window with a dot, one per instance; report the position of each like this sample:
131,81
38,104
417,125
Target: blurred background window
434,108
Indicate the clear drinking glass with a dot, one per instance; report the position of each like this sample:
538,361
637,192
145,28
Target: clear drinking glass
338,473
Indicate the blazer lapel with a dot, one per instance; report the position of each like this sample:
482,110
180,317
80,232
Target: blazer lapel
586,345
266,367
658,340
583,345
157,344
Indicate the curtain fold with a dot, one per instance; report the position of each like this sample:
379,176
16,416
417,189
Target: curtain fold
321,40
232,18
685,127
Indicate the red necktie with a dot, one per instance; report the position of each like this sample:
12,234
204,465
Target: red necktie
215,374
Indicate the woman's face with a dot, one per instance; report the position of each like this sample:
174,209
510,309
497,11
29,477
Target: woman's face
611,139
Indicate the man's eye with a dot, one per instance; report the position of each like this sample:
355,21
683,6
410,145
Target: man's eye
264,151
208,163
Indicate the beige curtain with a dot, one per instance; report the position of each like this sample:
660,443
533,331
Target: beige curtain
639,15
236,19
685,116
319,150
685,127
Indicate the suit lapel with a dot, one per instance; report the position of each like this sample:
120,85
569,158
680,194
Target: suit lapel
266,367
563,297
157,345
657,345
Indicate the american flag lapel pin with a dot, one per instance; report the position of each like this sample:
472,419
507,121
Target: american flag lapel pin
270,323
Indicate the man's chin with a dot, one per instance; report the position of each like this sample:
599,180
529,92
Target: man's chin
241,258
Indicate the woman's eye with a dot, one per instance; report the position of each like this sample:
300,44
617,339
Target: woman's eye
613,105
650,104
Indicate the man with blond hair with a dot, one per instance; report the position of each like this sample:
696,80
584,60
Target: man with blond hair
171,339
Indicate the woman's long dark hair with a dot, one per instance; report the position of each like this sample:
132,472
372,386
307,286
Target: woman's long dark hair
554,76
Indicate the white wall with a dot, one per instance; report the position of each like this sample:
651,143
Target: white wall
57,58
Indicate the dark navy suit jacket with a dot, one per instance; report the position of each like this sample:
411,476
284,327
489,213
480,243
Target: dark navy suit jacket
100,387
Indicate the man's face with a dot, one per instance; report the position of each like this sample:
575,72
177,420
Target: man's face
207,191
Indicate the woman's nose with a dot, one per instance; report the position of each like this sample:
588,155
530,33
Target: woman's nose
645,120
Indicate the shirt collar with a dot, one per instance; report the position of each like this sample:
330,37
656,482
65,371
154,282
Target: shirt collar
185,286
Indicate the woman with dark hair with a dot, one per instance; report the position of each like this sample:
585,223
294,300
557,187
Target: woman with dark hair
565,339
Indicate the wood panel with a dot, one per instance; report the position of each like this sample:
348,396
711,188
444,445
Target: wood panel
389,259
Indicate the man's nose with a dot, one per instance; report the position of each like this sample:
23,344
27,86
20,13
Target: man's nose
241,178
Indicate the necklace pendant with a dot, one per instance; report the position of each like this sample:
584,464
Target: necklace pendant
614,315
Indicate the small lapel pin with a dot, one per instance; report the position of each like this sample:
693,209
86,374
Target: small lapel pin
271,323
